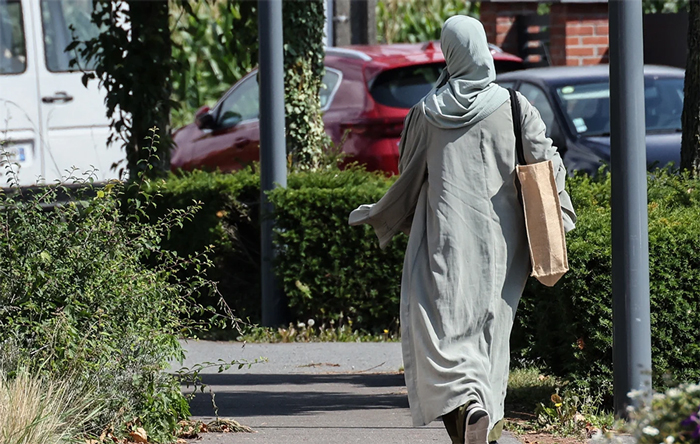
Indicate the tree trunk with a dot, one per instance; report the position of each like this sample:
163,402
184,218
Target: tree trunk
149,60
690,146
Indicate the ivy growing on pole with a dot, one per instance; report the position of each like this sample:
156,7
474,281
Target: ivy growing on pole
303,22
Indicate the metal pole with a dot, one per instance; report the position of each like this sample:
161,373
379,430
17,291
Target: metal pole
630,237
330,15
273,166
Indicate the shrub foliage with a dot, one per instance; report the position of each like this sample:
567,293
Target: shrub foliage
331,271
77,301
413,21
569,326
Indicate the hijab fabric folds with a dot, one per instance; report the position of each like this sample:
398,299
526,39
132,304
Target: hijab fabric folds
465,92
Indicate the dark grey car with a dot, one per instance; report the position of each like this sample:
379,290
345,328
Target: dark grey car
575,105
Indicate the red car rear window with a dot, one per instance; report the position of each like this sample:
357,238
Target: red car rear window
404,87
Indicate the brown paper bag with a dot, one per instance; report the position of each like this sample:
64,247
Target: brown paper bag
543,222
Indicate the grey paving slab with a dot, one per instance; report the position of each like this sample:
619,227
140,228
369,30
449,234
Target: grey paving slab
311,393
308,358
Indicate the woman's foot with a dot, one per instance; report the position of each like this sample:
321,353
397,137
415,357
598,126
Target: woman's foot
473,423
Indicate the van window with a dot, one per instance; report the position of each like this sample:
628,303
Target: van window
13,53
57,18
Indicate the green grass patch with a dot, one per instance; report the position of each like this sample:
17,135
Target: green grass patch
539,403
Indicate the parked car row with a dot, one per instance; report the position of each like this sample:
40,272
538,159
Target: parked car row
51,122
367,92
574,103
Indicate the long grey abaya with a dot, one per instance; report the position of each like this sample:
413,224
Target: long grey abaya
467,258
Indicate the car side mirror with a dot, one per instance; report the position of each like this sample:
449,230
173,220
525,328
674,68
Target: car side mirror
230,119
203,118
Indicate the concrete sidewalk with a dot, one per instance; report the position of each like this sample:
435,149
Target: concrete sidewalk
311,393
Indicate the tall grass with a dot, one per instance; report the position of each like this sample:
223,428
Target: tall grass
39,411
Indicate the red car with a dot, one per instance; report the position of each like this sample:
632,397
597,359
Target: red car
367,91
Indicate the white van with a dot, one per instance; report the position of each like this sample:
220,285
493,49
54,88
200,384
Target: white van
49,122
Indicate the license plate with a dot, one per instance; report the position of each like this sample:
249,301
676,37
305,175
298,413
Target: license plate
21,153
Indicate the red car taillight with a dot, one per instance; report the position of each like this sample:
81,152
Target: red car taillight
383,127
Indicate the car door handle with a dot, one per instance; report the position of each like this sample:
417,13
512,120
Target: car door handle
61,97
241,143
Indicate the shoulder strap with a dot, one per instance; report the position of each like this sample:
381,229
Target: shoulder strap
517,126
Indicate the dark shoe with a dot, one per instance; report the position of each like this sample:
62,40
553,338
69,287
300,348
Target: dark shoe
473,424
450,422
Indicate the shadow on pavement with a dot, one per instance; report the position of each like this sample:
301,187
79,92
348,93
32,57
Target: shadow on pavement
285,395
358,379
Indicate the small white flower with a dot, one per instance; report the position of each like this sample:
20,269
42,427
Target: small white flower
311,322
669,439
301,325
674,392
637,394
651,431
659,397
692,388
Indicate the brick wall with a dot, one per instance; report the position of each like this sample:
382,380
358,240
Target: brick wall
578,33
499,19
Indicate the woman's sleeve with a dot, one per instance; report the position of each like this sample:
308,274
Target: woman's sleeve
538,147
394,212
411,139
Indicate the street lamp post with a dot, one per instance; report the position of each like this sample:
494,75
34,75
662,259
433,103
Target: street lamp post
630,238
273,166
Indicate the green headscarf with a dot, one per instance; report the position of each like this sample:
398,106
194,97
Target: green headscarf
465,93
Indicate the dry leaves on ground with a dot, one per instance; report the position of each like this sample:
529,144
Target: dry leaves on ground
187,429
192,429
547,438
139,435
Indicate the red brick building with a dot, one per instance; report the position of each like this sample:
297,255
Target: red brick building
576,30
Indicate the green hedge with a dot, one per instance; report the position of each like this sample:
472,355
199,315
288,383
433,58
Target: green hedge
569,327
312,224
331,271
227,222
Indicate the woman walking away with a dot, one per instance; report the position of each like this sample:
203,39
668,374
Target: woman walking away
467,258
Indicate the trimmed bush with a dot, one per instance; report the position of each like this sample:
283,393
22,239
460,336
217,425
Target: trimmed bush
312,224
330,271
569,327
333,272
227,222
